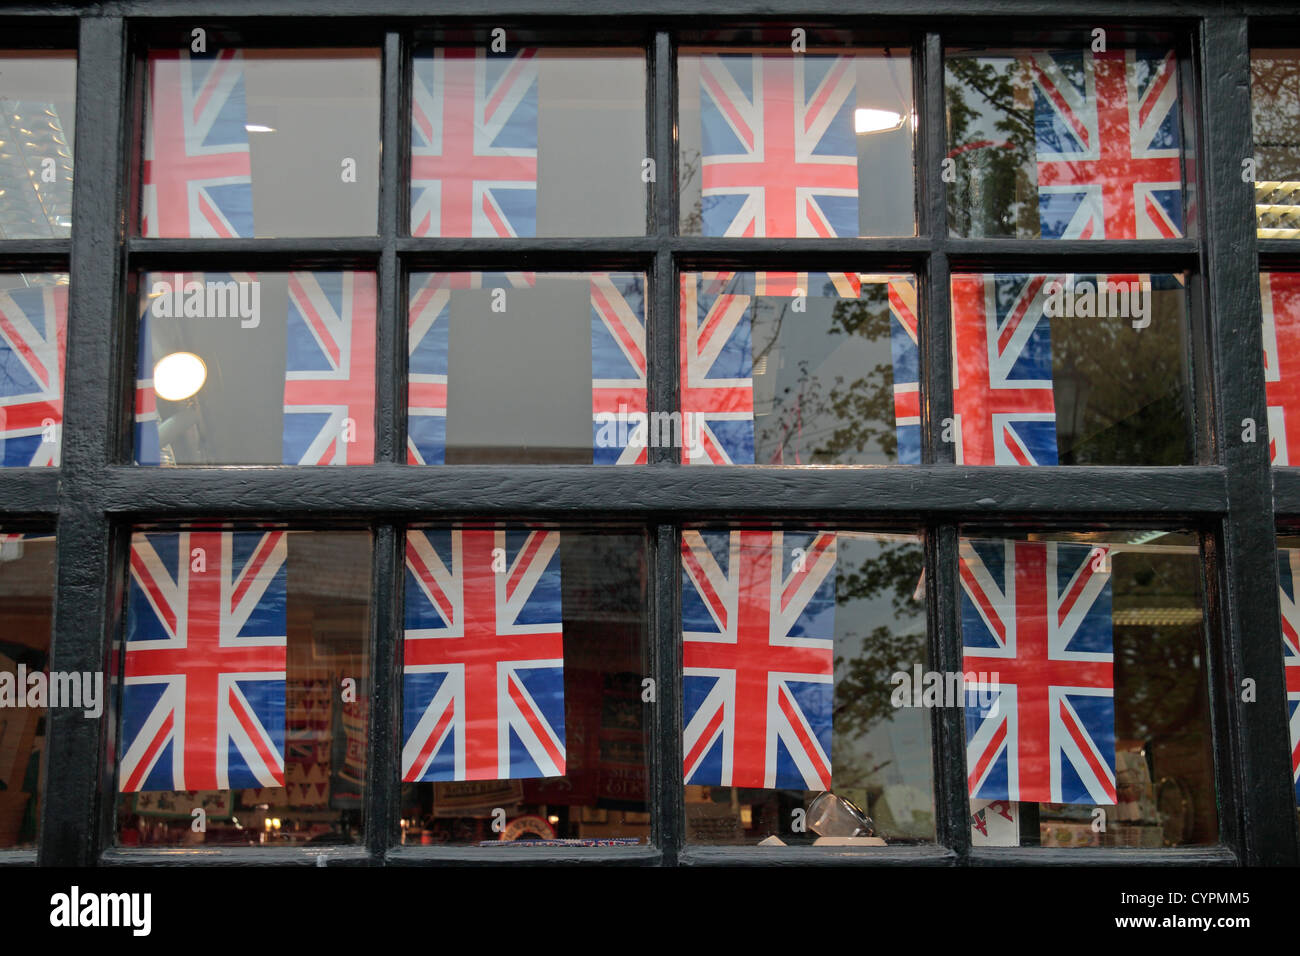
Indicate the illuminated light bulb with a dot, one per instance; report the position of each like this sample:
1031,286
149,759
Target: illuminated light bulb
258,128
552,819
178,376
876,121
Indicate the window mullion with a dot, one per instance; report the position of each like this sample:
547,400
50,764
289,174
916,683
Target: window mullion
1252,748
85,571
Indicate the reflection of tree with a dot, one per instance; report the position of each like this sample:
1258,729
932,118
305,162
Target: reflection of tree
1275,100
991,156
836,420
692,222
862,688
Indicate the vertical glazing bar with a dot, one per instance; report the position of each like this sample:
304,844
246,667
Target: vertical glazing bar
943,612
666,767
666,759
93,400
662,326
1253,749
383,732
390,348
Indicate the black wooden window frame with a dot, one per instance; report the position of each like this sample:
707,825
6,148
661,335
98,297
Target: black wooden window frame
1230,496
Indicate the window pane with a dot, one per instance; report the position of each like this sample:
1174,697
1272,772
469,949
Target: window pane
38,89
527,367
816,144
792,368
244,142
1275,114
794,646
1280,296
1071,369
26,609
532,142
1087,713
33,339
1288,561
1065,144
260,368
245,688
524,667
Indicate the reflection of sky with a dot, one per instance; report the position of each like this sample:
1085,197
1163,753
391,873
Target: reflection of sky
903,740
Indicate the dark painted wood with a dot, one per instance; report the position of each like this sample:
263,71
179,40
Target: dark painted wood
1257,797
966,493
29,491
85,597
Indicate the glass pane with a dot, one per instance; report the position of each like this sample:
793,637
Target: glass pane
795,648
1087,712
33,340
527,367
37,115
245,688
1288,561
1280,296
26,687
817,144
1071,369
523,700
263,368
1065,144
531,142
1275,115
244,142
790,368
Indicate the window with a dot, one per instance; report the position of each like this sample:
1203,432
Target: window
876,274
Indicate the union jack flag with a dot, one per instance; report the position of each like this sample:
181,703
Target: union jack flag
780,156
758,633
905,351
1037,614
198,179
204,671
1280,296
148,447
1106,131
329,379
717,384
1002,376
618,364
1288,561
483,691
474,143
33,338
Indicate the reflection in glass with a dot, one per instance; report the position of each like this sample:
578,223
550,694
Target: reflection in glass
1288,561
1086,696
37,115
778,144
244,142
799,368
33,337
527,367
1275,115
794,646
267,367
1065,144
245,688
523,689
26,609
1279,294
1071,369
530,142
